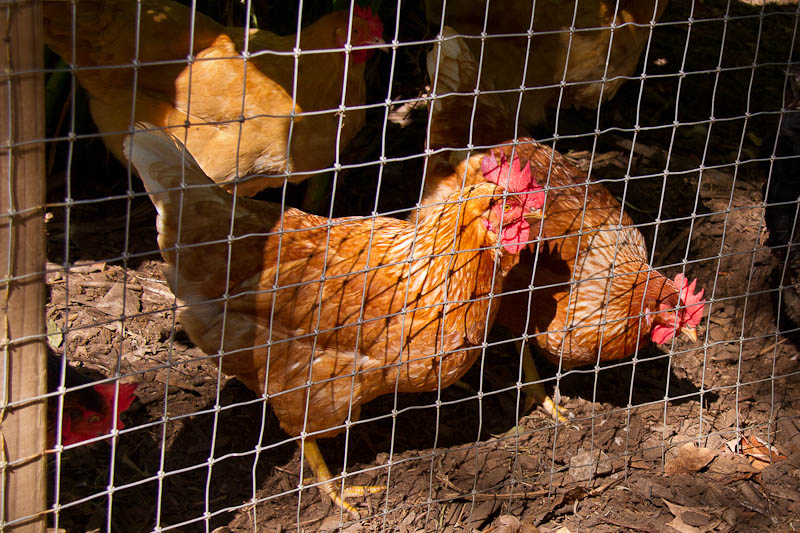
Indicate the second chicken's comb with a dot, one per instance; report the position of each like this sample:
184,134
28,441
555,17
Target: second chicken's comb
513,178
692,300
126,397
375,24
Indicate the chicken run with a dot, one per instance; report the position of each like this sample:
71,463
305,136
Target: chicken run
357,279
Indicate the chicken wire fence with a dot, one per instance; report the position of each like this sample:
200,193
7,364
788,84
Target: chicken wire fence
666,151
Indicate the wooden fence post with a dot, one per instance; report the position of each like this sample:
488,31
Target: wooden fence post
22,262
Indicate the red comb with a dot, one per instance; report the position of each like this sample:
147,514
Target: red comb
693,301
375,24
513,178
126,397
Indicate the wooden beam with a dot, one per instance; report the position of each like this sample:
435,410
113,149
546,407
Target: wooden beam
22,262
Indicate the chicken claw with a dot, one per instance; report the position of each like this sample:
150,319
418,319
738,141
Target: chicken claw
534,392
323,476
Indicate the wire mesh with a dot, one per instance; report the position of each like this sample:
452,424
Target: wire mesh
699,145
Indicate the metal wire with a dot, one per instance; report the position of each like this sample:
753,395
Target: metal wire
160,476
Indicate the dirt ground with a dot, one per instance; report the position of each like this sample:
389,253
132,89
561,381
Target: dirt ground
703,437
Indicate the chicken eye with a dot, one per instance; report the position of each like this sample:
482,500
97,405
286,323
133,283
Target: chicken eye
506,208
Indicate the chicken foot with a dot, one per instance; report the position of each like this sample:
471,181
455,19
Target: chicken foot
534,392
323,476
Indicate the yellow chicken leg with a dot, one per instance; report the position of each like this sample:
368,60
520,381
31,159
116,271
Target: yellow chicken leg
323,475
535,391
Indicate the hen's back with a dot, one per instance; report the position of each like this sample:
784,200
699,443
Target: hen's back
581,58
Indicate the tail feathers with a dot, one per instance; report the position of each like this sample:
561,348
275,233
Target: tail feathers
176,184
161,160
193,210
457,66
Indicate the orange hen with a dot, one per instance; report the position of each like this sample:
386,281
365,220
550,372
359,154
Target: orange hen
402,306
579,58
617,299
238,112
585,292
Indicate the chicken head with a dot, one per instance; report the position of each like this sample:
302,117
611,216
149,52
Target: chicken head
367,29
685,318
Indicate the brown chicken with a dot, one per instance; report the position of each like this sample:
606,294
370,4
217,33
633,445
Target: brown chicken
239,111
595,296
617,299
590,47
402,306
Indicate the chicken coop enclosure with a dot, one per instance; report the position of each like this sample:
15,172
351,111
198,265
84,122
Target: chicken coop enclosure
376,265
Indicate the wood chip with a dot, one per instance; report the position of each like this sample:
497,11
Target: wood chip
683,515
112,303
784,493
584,465
161,291
511,524
641,149
85,267
689,459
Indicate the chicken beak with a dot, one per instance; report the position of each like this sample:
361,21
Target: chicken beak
690,332
534,215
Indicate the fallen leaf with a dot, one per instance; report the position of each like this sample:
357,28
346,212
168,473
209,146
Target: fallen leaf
690,458
677,522
54,335
759,453
728,467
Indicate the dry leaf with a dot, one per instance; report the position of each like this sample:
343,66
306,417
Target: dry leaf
689,459
759,453
728,467
677,522
54,335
